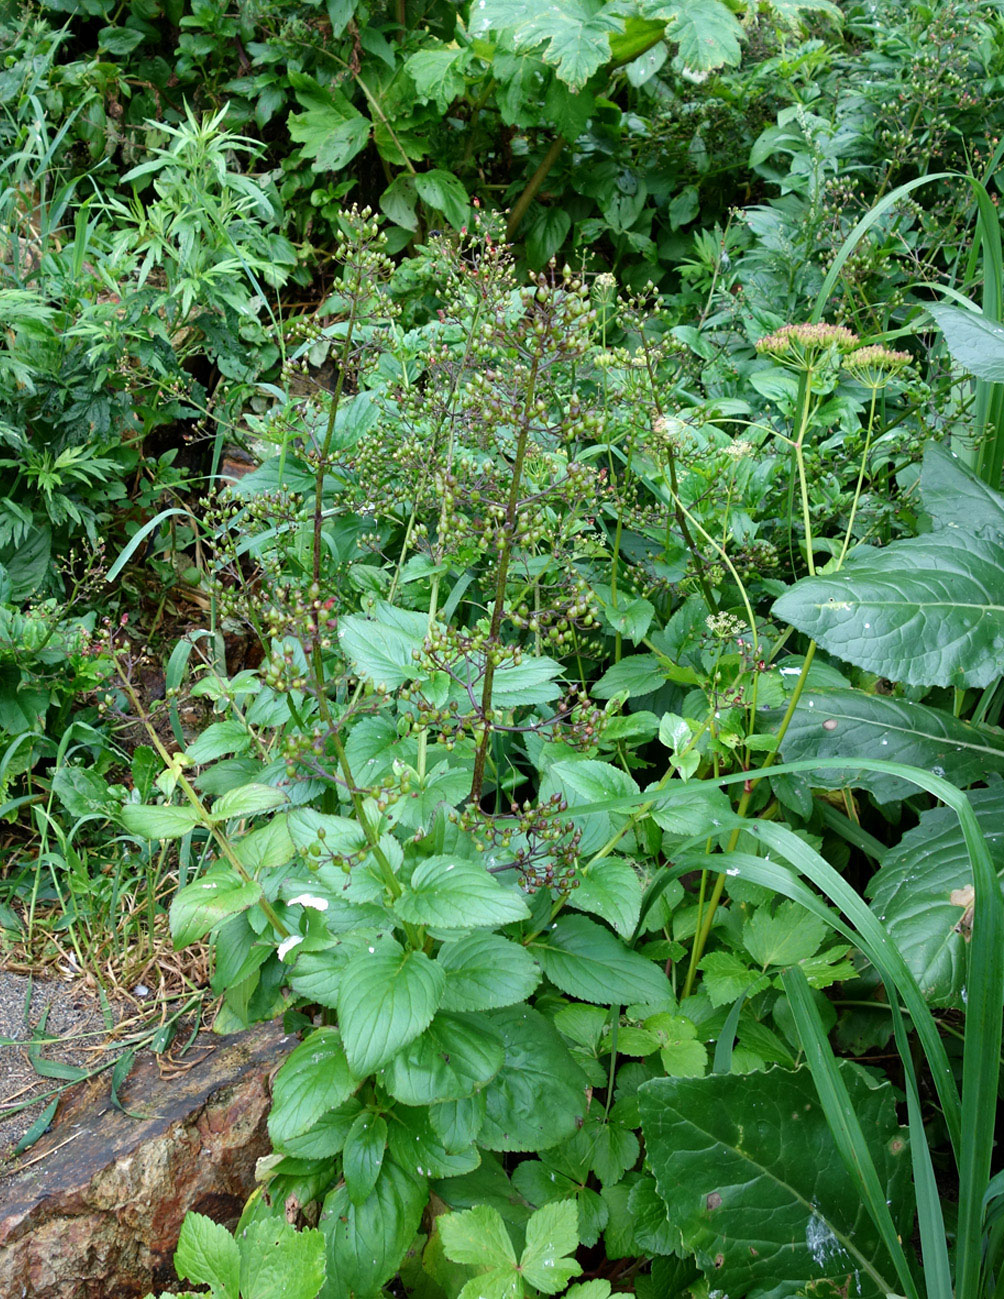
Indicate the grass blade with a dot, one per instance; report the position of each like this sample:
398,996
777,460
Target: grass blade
843,1120
930,1220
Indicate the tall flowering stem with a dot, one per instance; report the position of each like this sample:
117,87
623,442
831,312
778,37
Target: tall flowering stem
808,349
509,533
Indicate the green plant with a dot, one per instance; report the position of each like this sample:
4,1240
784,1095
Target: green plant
441,864
266,1261
544,801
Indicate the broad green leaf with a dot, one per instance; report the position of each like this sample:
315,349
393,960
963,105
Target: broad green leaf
727,976
552,1234
615,1149
596,1289
587,780
495,1284
456,1124
218,740
83,792
201,905
438,74
791,13
586,960
684,207
326,1137
646,65
609,888
515,685
340,13
317,974
767,1212
455,1056
362,1155
486,971
313,1080
478,1237
239,952
852,724
398,202
583,1024
443,784
927,611
577,33
379,651
120,41
331,131
444,192
366,1242
637,674
488,1184
159,822
276,1259
338,835
451,893
706,32
248,800
634,618
955,497
266,847
975,342
652,1229
681,1053
415,1143
790,935
146,766
386,998
207,1254
538,1099
547,233
692,807
924,890
569,111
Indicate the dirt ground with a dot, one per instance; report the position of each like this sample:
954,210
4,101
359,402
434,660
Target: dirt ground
78,1031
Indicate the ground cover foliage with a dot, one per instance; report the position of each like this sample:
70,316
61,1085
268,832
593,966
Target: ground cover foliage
500,560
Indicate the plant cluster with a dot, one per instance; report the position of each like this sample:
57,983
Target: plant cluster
579,715
535,942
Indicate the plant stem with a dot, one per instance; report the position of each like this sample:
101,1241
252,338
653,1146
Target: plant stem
532,186
674,486
336,396
861,478
509,536
222,842
423,735
370,831
708,917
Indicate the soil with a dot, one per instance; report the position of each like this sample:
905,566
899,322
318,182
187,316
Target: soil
78,1030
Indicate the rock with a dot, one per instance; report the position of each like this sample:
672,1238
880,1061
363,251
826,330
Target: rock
97,1211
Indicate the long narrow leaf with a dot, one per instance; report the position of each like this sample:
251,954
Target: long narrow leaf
843,1120
872,938
930,1220
980,1067
860,230
137,540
